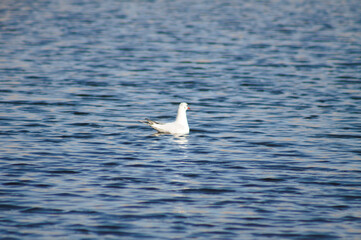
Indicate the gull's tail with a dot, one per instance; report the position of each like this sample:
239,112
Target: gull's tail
149,122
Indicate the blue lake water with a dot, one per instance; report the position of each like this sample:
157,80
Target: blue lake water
274,89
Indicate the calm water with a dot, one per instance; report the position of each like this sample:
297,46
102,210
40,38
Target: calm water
275,94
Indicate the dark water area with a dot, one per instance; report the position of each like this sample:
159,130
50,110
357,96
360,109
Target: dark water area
274,148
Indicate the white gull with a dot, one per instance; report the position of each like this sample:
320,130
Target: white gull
178,127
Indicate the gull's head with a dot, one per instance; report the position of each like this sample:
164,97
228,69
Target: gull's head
184,106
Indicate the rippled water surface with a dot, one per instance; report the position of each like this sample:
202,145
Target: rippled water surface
275,94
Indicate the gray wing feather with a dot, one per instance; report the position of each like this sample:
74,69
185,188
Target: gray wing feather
149,122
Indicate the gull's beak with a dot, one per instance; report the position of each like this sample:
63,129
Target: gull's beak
188,108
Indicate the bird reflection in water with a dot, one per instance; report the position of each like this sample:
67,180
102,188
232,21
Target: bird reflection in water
181,140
